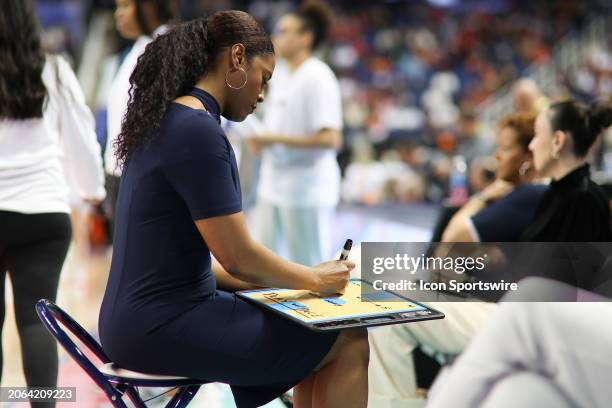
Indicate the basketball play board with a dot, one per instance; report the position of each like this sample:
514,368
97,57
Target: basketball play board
360,306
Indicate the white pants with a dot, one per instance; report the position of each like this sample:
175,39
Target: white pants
544,354
391,375
305,232
392,379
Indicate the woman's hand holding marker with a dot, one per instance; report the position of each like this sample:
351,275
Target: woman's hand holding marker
333,276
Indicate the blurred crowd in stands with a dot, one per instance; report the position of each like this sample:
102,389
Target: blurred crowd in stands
414,77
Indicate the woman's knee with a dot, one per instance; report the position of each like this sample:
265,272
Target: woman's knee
355,345
362,345
351,343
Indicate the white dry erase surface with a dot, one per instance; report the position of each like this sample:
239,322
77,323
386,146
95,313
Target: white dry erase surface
360,306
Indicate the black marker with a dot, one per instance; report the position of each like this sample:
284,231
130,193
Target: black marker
343,257
345,251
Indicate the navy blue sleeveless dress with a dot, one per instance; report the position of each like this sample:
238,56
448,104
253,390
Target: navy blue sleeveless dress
162,313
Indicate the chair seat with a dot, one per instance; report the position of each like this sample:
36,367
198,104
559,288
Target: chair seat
111,369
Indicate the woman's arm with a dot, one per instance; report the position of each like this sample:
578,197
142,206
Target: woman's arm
458,228
227,282
243,258
78,137
325,138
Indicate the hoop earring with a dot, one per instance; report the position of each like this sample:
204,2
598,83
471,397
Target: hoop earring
524,168
246,78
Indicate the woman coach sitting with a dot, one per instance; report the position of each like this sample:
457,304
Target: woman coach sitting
514,195
574,208
166,310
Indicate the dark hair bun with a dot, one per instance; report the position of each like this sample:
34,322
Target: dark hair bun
318,18
600,116
583,123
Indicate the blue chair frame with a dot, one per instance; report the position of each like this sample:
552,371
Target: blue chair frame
114,386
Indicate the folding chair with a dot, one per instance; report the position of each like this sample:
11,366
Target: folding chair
114,381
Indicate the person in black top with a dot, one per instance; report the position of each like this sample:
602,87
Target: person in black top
574,208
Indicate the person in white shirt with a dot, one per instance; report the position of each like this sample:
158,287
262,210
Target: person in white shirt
48,153
299,185
548,344
140,21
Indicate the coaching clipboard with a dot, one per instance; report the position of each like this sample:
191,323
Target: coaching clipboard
360,306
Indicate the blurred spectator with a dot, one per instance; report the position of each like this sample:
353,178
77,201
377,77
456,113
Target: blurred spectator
482,173
439,59
140,21
527,96
387,180
299,184
425,68
471,144
402,60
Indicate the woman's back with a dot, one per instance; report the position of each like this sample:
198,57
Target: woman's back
160,261
573,209
39,157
